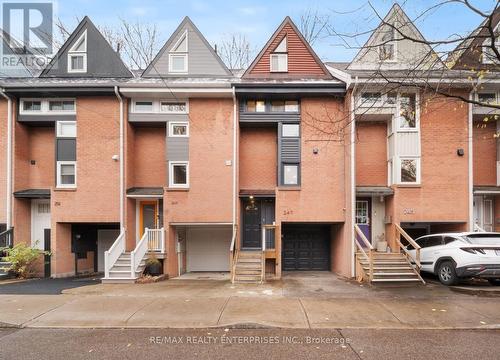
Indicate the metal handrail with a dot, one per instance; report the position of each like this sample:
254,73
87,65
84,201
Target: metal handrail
8,235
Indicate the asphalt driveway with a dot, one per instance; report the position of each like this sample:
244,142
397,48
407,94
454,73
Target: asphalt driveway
45,286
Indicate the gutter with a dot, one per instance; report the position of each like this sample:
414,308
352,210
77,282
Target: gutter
235,123
122,163
353,176
8,202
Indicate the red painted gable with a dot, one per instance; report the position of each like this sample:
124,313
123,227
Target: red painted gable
302,61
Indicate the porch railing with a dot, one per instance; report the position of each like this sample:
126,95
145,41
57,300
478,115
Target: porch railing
478,228
362,243
233,254
138,253
265,232
400,232
114,252
155,239
7,238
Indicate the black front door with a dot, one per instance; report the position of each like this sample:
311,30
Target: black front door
305,247
46,247
251,223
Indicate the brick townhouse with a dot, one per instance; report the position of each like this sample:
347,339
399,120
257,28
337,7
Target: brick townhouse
282,166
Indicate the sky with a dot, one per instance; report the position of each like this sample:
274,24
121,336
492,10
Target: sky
258,19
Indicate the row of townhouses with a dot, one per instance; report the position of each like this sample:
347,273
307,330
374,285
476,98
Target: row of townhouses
282,166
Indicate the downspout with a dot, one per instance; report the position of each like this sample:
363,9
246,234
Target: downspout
122,163
235,123
353,176
8,196
471,179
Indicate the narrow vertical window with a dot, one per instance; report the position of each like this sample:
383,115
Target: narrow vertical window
178,55
77,55
279,57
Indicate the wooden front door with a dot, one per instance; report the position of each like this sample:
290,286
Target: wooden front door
148,216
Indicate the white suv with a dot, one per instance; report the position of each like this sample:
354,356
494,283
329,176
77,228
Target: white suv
452,256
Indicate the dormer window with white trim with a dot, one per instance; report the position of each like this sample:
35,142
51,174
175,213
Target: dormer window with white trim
178,56
489,56
77,55
387,48
279,58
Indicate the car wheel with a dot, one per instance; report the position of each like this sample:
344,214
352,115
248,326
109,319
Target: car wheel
494,281
446,273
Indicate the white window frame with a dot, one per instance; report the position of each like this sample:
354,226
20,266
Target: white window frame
497,95
171,183
186,103
417,113
173,53
394,43
59,184
399,162
65,122
44,107
271,63
134,106
289,136
171,125
73,53
487,45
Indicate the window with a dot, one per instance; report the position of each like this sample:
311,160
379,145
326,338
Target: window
407,112
291,106
62,105
178,129
278,106
66,174
77,55
488,56
370,98
30,105
487,98
290,174
256,106
290,130
362,216
409,171
179,174
66,129
178,57
173,107
279,58
387,50
143,106
433,241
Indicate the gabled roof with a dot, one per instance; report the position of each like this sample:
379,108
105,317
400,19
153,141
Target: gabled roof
302,60
102,60
468,53
407,51
203,61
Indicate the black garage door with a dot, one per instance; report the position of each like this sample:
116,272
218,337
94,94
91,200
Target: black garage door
305,247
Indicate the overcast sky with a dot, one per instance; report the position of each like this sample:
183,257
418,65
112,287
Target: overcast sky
258,19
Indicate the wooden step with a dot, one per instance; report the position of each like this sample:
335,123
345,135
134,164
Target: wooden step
397,280
394,274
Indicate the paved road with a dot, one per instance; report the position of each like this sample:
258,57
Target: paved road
222,343
46,286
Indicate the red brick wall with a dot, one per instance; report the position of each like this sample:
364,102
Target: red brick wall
371,153
96,198
258,158
42,150
149,157
300,60
484,153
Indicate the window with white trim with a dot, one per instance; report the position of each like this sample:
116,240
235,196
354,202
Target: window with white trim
66,129
290,174
77,55
66,174
31,105
387,48
178,55
178,174
409,170
47,106
487,98
141,106
178,129
279,57
173,107
290,130
488,56
62,105
407,119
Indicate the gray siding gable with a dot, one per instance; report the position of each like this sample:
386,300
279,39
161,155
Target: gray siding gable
102,60
202,59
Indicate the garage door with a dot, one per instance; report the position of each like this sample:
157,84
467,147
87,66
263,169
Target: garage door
306,247
207,249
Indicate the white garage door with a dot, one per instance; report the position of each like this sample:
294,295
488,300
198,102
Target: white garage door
207,248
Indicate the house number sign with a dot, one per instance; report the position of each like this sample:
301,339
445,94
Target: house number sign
408,211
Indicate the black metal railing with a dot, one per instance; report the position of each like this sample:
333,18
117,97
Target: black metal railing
6,239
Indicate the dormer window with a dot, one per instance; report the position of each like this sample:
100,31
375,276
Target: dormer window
279,58
77,55
489,56
178,56
387,48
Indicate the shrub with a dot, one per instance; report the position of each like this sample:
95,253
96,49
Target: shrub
23,259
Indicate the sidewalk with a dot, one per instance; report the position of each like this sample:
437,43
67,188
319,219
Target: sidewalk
313,300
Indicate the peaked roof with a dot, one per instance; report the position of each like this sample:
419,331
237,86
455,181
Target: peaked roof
467,54
154,69
395,13
102,60
309,64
